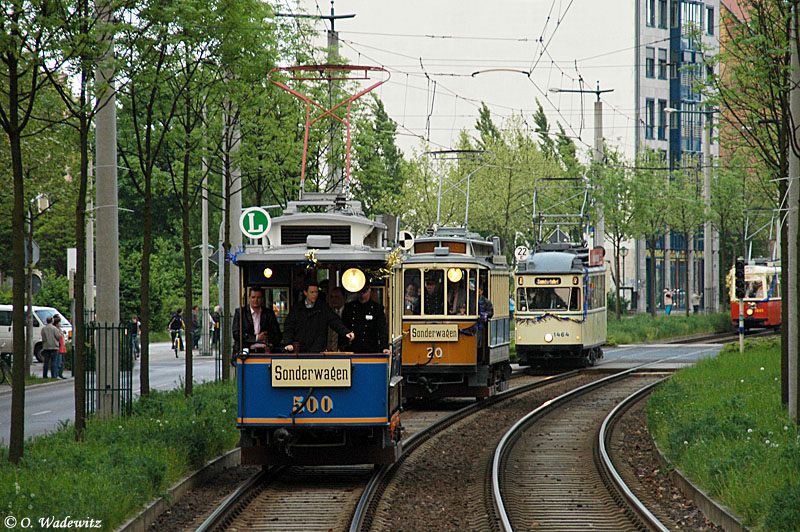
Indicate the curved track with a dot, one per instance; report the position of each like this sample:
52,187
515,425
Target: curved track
551,470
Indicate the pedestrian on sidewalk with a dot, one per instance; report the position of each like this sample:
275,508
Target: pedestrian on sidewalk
62,349
51,336
667,301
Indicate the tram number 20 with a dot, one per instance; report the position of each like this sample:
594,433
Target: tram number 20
437,353
312,405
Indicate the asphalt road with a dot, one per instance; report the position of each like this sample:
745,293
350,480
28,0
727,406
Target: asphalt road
50,404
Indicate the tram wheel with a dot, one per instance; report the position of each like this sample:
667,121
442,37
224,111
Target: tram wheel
588,358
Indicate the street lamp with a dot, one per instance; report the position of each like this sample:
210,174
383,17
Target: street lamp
600,232
709,293
623,252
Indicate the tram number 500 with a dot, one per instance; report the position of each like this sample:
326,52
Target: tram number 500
312,405
435,352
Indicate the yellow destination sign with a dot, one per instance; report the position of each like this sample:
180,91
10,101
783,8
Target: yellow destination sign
445,332
289,373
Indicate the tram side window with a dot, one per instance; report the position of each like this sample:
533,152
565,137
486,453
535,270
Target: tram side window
411,282
433,294
596,292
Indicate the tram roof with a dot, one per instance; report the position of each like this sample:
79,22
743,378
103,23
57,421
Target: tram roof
298,253
555,262
456,258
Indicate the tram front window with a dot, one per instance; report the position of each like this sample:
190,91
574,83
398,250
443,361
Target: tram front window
411,282
547,299
457,294
433,294
754,289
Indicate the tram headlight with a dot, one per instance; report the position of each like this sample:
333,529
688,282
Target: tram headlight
268,272
454,274
749,311
353,280
548,338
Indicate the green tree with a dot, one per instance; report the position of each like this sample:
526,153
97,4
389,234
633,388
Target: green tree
611,185
24,38
687,210
752,87
379,170
649,201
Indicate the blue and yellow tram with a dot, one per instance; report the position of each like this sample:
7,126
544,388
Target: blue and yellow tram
452,308
561,313
318,408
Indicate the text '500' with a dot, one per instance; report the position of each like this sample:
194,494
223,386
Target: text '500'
292,373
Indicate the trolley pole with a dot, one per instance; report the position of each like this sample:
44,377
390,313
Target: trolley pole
599,232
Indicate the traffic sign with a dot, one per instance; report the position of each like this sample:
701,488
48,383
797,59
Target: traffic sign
405,240
522,253
254,222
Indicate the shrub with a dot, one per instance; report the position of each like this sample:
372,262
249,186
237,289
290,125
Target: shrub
123,462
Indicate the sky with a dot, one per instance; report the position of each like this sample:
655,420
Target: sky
432,48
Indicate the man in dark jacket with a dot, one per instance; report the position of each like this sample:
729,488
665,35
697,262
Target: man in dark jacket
255,315
367,320
308,321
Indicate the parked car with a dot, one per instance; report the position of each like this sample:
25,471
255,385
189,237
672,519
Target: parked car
40,315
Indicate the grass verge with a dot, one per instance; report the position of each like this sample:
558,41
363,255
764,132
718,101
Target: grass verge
645,328
123,462
722,423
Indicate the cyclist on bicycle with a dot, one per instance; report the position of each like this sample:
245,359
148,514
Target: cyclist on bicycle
176,323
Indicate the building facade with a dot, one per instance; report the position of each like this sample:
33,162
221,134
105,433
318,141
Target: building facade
673,40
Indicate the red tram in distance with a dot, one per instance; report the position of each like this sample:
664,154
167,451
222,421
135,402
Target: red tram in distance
762,299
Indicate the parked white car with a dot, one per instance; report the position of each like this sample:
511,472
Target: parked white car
40,315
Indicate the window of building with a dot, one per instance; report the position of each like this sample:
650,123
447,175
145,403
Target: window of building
650,62
650,112
662,63
650,14
663,13
673,13
710,20
662,119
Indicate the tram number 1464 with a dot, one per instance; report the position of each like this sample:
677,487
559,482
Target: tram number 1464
312,404
435,352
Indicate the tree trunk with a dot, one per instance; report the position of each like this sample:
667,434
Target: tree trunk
187,269
144,288
17,436
651,245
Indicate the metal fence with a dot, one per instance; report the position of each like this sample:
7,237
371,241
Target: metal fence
109,369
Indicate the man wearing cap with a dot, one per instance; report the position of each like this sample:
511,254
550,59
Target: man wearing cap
367,320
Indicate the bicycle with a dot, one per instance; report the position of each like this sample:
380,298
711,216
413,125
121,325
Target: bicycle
177,341
5,368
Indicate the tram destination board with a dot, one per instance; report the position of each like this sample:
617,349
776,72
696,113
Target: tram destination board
548,281
287,373
447,332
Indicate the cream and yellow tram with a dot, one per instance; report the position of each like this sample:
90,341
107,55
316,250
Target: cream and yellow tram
561,312
452,308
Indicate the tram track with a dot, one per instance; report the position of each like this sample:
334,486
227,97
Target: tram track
336,498
552,471
330,498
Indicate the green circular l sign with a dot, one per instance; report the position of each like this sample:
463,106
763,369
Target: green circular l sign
254,222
